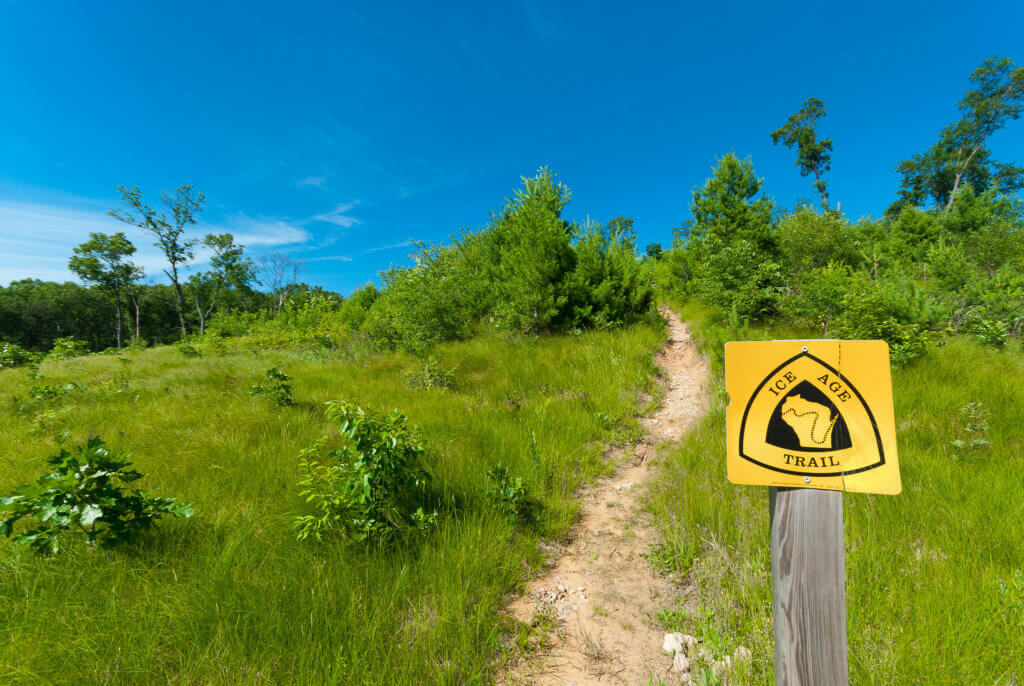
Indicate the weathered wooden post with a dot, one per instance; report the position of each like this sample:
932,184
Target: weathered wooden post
810,420
808,586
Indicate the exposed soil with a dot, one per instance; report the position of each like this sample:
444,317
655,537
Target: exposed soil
601,591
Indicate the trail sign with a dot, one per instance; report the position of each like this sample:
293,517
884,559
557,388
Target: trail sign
811,414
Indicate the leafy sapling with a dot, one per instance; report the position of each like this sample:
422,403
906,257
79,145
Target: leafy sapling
508,495
83,493
974,432
277,389
368,489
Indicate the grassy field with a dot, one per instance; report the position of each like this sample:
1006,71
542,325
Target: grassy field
935,592
230,596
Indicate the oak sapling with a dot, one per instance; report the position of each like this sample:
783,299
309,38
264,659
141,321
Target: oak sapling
370,488
83,493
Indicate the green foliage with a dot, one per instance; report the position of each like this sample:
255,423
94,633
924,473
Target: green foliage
276,389
724,208
608,286
188,350
49,393
813,156
83,493
528,271
67,347
508,495
879,311
737,277
974,428
960,156
818,297
370,488
534,257
809,240
13,355
992,332
431,375
137,344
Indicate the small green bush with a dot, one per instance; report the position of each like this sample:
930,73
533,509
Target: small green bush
432,375
83,493
368,489
508,495
277,389
137,345
187,350
13,355
991,332
67,347
974,430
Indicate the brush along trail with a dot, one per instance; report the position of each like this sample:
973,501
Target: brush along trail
601,593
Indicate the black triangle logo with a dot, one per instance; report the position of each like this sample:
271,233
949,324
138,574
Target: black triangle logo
805,419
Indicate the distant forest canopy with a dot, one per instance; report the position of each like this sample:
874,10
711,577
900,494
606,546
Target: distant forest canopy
947,255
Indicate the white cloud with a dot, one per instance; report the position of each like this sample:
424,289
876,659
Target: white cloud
325,258
404,244
37,239
317,181
337,216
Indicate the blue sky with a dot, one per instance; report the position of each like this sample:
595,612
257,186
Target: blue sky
337,132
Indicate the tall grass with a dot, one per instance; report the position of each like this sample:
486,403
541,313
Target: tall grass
934,587
230,595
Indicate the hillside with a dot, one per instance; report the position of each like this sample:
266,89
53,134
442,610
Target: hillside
230,594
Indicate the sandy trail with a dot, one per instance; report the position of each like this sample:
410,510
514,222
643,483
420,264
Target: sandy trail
601,590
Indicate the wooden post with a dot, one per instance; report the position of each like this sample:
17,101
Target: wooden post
808,587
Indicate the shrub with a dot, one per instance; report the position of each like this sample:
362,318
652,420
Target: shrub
508,495
368,489
83,493
992,332
736,276
13,355
432,375
137,345
188,350
67,347
873,312
808,240
818,298
277,389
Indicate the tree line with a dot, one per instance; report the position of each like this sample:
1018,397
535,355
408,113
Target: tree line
114,305
946,256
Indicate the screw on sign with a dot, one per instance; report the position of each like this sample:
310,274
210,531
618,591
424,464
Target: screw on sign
810,419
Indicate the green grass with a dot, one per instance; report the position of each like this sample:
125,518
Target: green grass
931,591
230,596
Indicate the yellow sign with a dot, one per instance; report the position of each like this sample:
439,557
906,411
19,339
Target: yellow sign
811,414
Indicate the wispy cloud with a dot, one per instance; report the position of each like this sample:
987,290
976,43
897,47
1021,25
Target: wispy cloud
393,246
326,258
337,216
317,181
36,239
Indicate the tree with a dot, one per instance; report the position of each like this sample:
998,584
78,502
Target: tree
813,156
169,233
228,269
101,261
725,209
654,250
960,155
279,273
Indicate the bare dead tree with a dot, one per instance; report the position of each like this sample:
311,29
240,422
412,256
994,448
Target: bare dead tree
279,272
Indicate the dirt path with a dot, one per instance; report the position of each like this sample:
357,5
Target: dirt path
601,592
